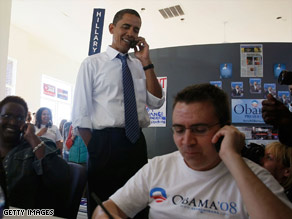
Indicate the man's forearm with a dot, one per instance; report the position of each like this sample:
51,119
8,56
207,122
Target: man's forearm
258,199
152,83
114,210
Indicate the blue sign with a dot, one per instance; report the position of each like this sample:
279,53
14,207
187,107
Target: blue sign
96,31
247,111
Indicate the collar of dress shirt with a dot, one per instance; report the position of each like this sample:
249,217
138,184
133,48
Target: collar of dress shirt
112,53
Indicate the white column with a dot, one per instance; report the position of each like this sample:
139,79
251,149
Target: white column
5,13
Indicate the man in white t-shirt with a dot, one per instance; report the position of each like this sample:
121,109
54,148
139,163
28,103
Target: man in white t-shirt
197,181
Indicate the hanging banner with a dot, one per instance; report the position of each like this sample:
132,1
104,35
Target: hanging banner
158,116
96,31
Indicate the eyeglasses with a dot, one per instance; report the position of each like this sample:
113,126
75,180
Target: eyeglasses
10,117
199,129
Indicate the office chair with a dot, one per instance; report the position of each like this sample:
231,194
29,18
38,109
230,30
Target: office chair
78,179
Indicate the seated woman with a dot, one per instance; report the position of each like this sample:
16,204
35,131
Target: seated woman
37,178
45,128
278,161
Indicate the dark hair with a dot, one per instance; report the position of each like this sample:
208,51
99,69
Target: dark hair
14,99
207,93
38,118
119,15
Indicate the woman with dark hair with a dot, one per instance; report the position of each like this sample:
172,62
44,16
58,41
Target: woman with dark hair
45,128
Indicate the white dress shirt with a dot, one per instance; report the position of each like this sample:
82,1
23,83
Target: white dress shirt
99,99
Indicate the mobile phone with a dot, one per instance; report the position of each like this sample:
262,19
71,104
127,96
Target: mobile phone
49,124
133,43
218,144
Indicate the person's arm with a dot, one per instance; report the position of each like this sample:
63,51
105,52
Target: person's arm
34,140
260,202
115,211
277,114
42,131
85,134
142,54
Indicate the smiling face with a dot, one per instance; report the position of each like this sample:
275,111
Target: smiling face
125,31
198,151
46,117
12,119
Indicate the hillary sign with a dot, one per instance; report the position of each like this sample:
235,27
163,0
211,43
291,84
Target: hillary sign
247,111
96,31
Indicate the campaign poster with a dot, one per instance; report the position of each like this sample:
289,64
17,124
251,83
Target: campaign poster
158,116
270,88
62,94
217,84
237,89
284,97
247,111
255,85
278,68
49,89
225,70
251,60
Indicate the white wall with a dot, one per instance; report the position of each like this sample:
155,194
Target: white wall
34,58
5,9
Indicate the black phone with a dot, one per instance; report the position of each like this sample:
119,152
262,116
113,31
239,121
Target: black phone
133,43
49,124
218,144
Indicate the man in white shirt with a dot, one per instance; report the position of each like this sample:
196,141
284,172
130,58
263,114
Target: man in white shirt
99,111
197,181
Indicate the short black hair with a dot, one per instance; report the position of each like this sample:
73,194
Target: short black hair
119,15
38,118
14,99
207,93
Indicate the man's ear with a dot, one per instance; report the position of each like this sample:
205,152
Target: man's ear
287,172
111,27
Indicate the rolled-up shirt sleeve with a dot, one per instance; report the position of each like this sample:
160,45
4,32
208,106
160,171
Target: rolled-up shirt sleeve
155,102
82,104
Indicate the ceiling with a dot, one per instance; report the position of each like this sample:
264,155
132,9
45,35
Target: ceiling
65,25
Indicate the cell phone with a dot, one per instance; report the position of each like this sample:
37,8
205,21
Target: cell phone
133,43
218,144
49,124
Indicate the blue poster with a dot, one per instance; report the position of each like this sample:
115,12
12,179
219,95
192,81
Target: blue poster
255,85
278,68
269,88
96,31
226,70
247,111
217,84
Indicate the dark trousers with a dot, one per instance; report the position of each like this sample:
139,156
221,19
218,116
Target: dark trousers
112,160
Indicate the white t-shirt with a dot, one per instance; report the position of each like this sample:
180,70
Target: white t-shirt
52,133
173,190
